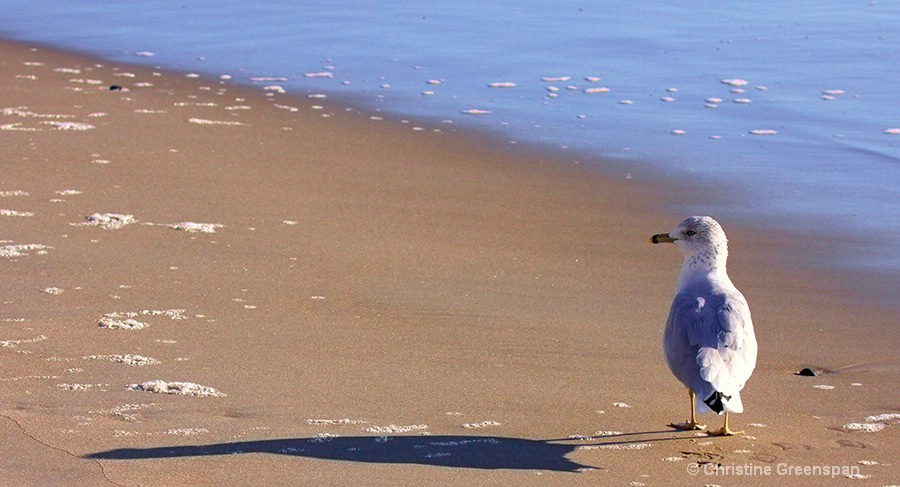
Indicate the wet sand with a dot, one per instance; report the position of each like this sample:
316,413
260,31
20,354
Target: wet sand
208,284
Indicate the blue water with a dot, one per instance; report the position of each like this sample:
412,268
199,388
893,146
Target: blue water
830,165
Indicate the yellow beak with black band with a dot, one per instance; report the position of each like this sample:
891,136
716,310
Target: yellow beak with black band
662,238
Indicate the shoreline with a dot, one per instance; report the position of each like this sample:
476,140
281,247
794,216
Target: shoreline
373,273
812,245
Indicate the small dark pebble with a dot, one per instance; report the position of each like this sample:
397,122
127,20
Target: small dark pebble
807,372
115,88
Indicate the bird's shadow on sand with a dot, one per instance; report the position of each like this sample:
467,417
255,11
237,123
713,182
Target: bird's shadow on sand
478,452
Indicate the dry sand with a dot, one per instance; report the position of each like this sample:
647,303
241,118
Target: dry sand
309,296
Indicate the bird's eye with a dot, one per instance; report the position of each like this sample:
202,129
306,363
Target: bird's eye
690,233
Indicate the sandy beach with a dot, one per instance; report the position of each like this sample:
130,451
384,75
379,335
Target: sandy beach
210,284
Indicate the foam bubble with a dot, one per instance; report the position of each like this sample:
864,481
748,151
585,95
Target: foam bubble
332,422
884,417
177,387
763,132
15,213
502,84
109,221
16,343
127,359
22,249
202,121
393,428
864,427
70,125
114,322
475,111
734,82
601,89
483,424
196,227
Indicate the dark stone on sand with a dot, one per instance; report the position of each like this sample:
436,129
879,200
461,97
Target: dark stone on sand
115,88
807,372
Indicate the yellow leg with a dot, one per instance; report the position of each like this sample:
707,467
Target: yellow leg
725,431
692,424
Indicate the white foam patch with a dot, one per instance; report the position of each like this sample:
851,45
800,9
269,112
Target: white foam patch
196,227
17,127
22,250
80,387
9,194
864,427
618,446
502,84
127,359
483,424
763,132
108,221
824,387
393,428
15,213
52,290
322,74
77,126
490,441
68,192
476,111
895,131
124,320
884,417
125,412
621,405
607,433
177,388
25,113
116,323
23,341
332,422
202,121
734,82
601,89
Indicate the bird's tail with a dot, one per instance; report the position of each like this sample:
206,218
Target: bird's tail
717,392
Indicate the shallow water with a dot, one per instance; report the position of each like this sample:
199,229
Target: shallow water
829,163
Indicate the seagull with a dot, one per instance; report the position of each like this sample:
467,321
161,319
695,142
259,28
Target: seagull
708,341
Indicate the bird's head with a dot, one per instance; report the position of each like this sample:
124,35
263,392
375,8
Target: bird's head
697,236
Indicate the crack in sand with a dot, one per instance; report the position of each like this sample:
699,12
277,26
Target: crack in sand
67,452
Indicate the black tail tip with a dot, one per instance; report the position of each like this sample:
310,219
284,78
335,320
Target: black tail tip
715,403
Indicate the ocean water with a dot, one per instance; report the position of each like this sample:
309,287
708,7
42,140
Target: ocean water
800,135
